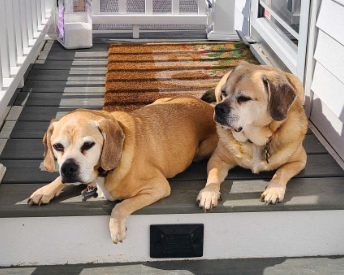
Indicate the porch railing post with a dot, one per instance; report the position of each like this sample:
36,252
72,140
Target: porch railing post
4,47
29,20
175,6
96,7
223,21
17,28
12,48
201,7
149,7
24,26
122,6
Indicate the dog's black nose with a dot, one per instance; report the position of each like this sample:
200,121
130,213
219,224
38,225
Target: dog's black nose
222,109
69,169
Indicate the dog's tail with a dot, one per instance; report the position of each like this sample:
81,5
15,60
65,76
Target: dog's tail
209,96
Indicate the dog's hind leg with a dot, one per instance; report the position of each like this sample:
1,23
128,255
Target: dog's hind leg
206,147
153,190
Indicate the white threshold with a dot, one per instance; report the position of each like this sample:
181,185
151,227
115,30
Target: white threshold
86,239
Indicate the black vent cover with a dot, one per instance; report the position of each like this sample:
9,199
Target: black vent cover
176,240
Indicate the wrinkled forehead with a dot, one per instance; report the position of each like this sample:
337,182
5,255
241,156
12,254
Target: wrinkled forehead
74,128
243,78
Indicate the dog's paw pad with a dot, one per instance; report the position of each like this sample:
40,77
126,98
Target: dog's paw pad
208,198
273,194
117,231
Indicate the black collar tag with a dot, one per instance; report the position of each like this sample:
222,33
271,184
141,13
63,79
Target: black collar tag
89,192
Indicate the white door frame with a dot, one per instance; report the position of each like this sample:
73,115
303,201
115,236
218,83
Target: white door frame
293,58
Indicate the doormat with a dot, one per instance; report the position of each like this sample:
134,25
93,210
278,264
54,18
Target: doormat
139,74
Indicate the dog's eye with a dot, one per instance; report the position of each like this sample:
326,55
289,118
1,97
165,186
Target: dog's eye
242,99
58,147
87,145
223,94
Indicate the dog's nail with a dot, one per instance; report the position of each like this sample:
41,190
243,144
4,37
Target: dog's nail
277,200
40,201
268,202
29,201
114,242
204,209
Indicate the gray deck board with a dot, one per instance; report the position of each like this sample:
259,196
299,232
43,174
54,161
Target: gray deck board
61,100
267,266
28,171
237,196
43,113
63,75
31,130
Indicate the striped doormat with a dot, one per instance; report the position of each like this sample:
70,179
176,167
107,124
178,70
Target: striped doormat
138,74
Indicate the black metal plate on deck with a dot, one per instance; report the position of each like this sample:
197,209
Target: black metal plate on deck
176,240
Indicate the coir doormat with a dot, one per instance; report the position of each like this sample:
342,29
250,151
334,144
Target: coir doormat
138,74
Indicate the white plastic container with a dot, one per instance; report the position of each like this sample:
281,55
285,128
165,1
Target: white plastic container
74,24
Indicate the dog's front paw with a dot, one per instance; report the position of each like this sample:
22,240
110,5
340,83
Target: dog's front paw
117,230
43,195
208,197
274,193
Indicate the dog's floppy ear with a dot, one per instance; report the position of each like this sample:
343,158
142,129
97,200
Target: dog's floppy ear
113,136
218,89
281,95
49,161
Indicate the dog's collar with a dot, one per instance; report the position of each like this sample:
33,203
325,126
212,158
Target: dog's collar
267,145
102,173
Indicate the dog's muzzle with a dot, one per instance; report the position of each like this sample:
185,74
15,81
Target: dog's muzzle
70,171
222,111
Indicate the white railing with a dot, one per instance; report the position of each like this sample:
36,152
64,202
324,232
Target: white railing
23,25
122,17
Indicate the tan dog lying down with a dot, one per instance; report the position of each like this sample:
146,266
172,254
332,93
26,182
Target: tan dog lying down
261,125
139,150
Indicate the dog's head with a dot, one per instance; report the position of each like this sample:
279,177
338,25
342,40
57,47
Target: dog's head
82,142
254,95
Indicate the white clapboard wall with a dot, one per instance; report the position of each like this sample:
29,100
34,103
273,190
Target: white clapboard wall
242,16
327,111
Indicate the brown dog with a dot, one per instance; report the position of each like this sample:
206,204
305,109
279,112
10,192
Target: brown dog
261,125
135,152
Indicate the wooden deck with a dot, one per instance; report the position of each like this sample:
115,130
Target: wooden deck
62,80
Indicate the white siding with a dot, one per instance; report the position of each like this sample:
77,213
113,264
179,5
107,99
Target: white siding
329,89
241,15
331,19
330,54
329,125
327,112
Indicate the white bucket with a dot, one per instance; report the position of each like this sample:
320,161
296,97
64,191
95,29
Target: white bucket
74,25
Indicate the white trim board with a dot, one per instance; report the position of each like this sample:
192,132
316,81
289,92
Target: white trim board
72,240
